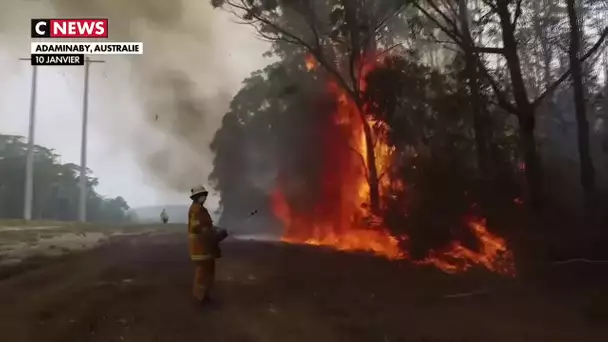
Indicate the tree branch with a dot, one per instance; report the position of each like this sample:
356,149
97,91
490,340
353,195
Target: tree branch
550,89
445,17
500,96
445,30
494,50
518,12
456,37
312,25
355,47
491,4
580,260
382,23
292,39
451,5
384,173
388,49
362,161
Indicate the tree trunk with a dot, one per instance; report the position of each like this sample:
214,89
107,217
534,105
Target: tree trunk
362,45
587,171
532,167
524,108
372,169
479,125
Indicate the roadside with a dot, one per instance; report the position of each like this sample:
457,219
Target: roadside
26,245
137,288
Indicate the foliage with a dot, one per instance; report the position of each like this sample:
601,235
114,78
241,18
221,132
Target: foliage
269,129
56,186
422,92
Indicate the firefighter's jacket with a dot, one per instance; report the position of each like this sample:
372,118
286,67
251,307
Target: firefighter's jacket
203,241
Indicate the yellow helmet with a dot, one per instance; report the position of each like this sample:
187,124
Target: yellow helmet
198,190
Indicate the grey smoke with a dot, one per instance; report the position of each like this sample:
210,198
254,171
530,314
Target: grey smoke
183,82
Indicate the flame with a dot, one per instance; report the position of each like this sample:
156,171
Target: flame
341,218
341,236
493,253
310,62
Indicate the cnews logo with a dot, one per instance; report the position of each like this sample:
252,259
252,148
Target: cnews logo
69,28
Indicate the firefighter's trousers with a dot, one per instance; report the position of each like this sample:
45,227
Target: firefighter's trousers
204,277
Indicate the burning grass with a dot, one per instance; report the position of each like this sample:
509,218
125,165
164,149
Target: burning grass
342,217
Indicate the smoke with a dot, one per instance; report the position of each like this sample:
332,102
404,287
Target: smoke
182,83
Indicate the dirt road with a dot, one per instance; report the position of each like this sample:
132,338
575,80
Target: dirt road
137,288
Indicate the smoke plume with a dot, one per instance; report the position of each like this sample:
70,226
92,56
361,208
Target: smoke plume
182,82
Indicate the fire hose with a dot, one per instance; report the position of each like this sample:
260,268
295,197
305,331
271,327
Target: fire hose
222,233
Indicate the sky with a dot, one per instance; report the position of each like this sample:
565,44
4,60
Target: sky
122,138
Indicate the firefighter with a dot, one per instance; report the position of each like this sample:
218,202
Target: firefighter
164,217
204,241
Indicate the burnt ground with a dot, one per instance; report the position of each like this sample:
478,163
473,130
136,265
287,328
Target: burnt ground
137,288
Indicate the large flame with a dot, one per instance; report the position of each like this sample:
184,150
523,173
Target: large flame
342,219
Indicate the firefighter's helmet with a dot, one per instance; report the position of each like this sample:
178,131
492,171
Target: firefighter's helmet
198,190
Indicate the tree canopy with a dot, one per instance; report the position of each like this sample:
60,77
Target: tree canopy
474,97
56,187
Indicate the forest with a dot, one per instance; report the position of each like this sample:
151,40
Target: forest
437,130
56,187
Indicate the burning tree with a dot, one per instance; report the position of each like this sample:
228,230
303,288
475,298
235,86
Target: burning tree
342,46
345,198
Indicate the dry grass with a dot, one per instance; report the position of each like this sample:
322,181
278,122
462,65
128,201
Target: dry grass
22,240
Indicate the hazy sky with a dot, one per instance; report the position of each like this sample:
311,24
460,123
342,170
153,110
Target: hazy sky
119,132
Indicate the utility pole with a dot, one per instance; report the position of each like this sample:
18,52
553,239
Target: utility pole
29,159
83,146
